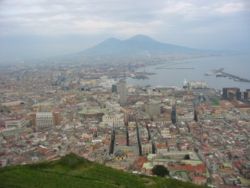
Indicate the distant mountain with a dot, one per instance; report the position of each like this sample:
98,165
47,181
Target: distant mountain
139,48
139,45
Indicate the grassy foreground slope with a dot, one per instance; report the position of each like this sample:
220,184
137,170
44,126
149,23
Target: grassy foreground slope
73,171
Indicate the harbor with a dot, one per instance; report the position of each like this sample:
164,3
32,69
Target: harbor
204,70
221,73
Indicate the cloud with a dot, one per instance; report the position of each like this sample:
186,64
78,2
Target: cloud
76,17
176,21
232,7
95,16
200,10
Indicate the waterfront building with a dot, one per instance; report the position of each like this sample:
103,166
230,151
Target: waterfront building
247,95
231,93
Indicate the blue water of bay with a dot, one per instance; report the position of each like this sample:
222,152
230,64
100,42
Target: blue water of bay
173,73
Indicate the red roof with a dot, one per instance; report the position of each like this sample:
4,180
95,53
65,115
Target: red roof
201,168
237,164
140,161
199,180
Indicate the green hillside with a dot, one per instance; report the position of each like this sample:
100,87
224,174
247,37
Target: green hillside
73,171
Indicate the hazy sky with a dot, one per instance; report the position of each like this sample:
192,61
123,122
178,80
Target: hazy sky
52,27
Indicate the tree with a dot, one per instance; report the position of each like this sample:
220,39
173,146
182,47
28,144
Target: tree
187,157
160,170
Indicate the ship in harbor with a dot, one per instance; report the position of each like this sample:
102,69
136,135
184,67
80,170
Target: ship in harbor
141,75
214,72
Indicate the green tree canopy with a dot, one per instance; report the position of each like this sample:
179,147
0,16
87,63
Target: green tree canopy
160,170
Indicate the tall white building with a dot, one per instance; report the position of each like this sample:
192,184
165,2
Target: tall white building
44,120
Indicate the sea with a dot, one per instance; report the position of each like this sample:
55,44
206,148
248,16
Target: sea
173,73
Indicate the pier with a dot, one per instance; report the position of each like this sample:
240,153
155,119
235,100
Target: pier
221,73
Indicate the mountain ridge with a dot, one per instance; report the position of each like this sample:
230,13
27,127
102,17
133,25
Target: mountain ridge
74,171
136,45
138,48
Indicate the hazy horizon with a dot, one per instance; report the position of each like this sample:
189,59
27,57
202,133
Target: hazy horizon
42,28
